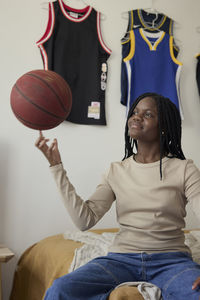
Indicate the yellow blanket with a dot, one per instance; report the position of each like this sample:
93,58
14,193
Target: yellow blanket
41,263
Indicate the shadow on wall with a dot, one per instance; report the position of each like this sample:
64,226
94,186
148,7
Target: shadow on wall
4,161
9,267
7,277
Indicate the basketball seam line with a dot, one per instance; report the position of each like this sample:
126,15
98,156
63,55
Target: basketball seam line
41,108
38,77
31,123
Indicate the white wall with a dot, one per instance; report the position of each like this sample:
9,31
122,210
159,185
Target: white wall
30,207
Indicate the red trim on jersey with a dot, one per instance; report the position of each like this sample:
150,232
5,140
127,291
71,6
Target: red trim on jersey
81,10
87,10
44,56
100,35
50,25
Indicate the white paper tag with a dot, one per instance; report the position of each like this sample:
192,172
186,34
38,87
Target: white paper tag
73,14
94,110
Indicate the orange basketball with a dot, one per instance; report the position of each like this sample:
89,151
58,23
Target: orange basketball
41,99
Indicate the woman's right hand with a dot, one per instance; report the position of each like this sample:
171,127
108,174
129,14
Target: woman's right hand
51,152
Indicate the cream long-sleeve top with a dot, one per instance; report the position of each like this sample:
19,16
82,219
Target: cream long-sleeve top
150,211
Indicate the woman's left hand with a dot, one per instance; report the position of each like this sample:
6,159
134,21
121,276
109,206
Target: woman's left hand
196,283
50,152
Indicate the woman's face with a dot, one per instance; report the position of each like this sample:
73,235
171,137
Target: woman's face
143,124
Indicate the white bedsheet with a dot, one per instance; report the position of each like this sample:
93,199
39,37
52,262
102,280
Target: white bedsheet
97,245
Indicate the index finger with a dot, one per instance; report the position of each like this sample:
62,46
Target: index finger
39,139
41,134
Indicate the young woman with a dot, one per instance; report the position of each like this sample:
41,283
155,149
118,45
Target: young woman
151,187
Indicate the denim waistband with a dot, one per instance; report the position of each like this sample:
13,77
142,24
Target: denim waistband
154,256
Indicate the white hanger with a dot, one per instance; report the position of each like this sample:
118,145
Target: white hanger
152,9
45,5
125,15
152,24
75,4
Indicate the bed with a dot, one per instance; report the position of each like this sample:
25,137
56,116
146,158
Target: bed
53,257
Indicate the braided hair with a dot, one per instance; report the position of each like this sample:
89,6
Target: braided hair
170,129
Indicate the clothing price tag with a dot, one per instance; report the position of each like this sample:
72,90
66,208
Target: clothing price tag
94,110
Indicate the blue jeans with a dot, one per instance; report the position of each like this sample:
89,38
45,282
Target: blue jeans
173,272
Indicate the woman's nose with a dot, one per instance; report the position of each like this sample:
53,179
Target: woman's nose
137,117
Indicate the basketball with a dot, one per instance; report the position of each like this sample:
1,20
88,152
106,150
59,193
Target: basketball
41,99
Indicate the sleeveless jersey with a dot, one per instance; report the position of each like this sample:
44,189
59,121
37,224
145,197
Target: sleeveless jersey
152,67
72,46
151,22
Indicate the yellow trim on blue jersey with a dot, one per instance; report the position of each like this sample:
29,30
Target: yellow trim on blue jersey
157,27
170,26
132,19
172,52
146,40
197,55
127,41
152,47
132,50
176,47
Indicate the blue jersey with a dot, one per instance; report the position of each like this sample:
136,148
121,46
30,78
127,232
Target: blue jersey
152,67
151,22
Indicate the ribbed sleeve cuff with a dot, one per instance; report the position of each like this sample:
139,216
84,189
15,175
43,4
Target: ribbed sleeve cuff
56,168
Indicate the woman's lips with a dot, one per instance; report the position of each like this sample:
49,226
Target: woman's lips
135,126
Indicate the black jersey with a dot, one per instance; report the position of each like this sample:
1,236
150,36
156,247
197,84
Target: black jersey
72,46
